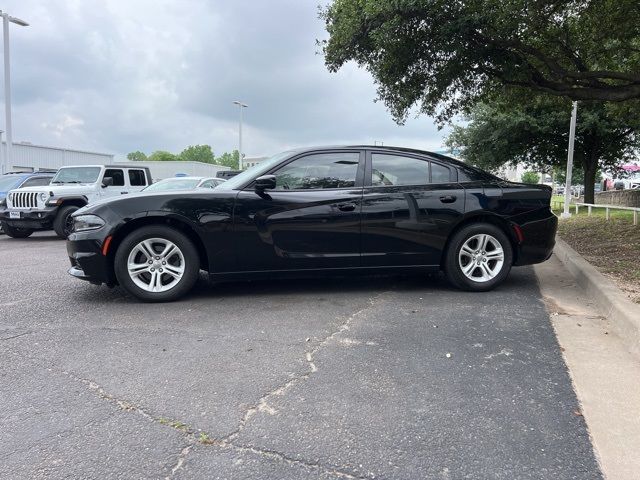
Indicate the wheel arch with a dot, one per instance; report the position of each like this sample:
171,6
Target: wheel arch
483,217
73,201
179,224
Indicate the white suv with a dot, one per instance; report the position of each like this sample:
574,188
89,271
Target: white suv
42,208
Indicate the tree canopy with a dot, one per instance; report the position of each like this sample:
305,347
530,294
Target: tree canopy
444,56
534,131
197,153
193,153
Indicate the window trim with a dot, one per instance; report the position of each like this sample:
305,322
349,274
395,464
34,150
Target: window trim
359,172
369,168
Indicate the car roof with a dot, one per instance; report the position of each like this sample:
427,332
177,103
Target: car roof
387,148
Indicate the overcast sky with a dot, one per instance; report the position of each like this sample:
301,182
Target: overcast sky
117,76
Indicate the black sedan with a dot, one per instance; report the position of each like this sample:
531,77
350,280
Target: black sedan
334,210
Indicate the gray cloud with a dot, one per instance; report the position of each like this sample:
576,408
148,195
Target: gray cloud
146,74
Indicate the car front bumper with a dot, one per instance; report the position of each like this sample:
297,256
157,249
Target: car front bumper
30,219
87,261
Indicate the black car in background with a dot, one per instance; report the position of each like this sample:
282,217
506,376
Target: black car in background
332,210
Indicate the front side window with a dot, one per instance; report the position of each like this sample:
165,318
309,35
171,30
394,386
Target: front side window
137,178
392,170
36,182
318,171
117,175
77,175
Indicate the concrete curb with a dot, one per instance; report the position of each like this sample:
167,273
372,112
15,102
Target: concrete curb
623,314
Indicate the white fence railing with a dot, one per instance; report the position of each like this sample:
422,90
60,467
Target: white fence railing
607,208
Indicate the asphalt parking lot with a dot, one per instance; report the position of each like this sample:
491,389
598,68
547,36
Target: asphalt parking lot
341,378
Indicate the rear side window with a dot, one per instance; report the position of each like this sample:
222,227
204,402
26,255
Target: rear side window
440,174
391,170
117,175
36,182
137,178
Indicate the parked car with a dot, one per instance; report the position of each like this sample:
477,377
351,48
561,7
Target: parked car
227,174
38,208
15,180
632,182
335,210
184,183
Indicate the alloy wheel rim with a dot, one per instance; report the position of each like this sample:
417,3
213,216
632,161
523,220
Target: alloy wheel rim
156,265
481,258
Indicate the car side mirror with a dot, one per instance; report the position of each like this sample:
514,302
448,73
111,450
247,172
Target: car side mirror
107,182
265,182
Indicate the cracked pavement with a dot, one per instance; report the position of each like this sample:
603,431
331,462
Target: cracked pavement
319,379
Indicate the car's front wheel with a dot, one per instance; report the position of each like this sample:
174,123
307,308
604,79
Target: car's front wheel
63,223
15,232
479,257
157,264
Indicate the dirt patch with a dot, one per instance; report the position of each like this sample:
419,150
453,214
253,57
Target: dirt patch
612,246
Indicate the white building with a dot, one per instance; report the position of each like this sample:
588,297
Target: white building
28,157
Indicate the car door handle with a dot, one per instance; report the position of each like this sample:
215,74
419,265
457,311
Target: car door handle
123,193
448,198
347,207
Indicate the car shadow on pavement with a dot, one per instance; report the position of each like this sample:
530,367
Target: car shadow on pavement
209,290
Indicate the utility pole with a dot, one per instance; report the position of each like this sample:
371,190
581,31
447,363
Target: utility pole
240,159
7,84
567,187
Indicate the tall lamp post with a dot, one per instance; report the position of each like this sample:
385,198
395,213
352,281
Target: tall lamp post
240,106
6,18
572,138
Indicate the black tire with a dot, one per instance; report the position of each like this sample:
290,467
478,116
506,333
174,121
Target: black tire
15,232
186,247
452,262
63,223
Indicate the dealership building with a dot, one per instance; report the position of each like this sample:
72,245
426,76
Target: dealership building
29,157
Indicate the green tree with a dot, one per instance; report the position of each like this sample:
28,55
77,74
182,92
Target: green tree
445,56
162,156
197,153
136,156
229,159
530,177
534,131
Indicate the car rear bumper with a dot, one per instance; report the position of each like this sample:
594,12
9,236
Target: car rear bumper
538,238
87,261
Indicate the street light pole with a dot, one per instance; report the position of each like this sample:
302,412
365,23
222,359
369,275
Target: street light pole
240,106
7,83
572,137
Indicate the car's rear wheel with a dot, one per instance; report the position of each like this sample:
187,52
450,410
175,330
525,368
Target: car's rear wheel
15,232
157,264
479,257
63,223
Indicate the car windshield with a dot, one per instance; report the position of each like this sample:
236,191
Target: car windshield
255,171
173,184
77,175
7,182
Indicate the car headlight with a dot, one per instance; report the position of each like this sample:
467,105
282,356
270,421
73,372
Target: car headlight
82,223
43,196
